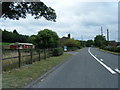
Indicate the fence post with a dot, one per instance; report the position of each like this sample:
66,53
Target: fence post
49,52
39,55
19,58
31,56
44,54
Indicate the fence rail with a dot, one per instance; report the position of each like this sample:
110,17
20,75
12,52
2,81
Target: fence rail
21,59
17,57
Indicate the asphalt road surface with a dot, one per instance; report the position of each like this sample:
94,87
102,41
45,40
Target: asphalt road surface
89,68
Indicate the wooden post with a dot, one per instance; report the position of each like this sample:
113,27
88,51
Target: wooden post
44,54
31,56
19,58
33,60
39,54
49,52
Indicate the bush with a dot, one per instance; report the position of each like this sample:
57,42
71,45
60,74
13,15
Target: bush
72,48
57,51
118,49
113,49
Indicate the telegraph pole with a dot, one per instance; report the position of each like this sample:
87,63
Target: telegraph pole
101,31
107,35
82,41
82,37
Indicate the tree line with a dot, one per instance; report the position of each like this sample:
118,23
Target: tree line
13,36
49,39
44,39
99,41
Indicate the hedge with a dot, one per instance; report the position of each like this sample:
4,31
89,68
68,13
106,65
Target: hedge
57,51
113,49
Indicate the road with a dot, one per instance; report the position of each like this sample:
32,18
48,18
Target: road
89,68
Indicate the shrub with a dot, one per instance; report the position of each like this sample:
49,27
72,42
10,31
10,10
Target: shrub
113,49
57,51
72,48
118,49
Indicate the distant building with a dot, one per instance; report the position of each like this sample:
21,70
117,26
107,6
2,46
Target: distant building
118,44
113,43
21,45
63,39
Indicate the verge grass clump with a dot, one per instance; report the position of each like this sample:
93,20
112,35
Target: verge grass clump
19,77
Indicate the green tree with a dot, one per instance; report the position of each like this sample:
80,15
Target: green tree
13,37
32,38
82,43
89,43
100,41
71,44
46,39
16,10
69,35
15,32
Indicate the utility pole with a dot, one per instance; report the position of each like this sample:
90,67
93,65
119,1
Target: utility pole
82,37
82,40
107,35
101,31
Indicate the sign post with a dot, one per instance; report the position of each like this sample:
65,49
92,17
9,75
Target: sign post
65,48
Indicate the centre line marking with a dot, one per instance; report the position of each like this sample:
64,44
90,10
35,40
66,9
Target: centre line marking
104,65
101,59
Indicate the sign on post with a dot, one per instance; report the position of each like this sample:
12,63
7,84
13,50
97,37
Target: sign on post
65,48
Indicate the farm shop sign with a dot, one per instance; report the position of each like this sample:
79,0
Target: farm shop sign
65,48
21,45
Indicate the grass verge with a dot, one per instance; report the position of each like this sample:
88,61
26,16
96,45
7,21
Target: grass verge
5,43
19,77
116,53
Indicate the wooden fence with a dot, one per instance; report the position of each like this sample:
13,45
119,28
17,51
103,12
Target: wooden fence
19,58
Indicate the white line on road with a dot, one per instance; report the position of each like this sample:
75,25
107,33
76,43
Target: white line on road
108,68
117,70
101,59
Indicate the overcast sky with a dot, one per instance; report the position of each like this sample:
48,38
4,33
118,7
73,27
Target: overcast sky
82,20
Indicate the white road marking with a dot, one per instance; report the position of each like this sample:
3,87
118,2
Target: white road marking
117,70
101,59
41,80
108,68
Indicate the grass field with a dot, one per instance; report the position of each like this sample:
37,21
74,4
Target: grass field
19,77
5,43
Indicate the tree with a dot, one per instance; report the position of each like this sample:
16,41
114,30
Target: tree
89,43
71,44
100,41
13,37
82,43
46,39
69,35
16,10
32,38
15,32
6,36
